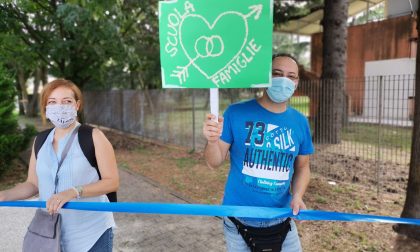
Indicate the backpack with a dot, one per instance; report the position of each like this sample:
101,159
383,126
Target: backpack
86,144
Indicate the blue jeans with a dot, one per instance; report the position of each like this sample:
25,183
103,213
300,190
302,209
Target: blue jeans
104,243
235,242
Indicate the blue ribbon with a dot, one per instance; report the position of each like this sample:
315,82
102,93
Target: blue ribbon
217,210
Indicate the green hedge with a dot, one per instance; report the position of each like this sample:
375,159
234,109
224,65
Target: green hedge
13,140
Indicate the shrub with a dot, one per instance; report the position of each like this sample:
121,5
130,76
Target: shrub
12,139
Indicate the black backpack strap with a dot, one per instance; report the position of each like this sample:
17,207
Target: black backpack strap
88,149
40,140
87,146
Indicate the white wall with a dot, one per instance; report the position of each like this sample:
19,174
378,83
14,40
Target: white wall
396,8
390,67
397,85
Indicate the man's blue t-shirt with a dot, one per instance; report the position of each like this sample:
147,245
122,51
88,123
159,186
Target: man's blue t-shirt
263,149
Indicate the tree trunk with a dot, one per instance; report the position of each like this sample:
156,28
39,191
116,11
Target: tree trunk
33,103
412,203
24,94
44,75
147,95
334,38
20,99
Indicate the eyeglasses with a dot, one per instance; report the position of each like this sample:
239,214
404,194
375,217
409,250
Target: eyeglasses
279,73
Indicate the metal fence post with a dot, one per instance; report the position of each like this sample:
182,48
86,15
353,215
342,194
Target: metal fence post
193,118
378,154
142,126
122,110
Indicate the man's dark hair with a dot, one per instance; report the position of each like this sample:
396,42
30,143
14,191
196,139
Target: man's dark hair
276,55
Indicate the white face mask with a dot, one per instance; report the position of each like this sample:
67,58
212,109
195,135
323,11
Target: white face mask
62,116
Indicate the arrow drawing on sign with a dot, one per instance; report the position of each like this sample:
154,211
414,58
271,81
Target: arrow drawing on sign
257,9
182,71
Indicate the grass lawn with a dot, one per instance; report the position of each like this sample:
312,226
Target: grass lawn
384,136
300,103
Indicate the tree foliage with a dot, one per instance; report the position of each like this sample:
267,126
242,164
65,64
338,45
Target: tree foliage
101,44
75,39
96,44
285,11
139,65
12,139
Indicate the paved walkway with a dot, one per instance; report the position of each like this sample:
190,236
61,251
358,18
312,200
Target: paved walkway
162,232
135,232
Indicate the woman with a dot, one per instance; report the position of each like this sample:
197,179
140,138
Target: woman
61,100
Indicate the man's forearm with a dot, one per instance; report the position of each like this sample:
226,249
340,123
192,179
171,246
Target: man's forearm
301,181
213,154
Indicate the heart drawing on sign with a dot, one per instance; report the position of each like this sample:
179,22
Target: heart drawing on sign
212,47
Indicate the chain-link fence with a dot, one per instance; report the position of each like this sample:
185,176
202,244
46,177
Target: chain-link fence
170,116
376,124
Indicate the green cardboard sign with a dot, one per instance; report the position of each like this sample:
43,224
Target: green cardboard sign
216,43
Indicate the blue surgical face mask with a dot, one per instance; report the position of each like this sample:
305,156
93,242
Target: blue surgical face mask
281,90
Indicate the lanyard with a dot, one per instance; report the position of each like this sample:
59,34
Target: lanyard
64,155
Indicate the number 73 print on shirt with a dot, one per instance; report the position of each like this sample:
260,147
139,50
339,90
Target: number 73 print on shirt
269,154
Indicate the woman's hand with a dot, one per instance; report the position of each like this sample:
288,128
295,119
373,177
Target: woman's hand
57,201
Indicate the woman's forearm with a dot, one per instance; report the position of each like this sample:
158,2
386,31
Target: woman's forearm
21,191
101,187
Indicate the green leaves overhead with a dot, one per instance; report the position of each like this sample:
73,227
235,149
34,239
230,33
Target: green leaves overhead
96,44
78,40
286,10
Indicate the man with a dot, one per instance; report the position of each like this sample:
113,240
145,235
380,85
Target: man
269,144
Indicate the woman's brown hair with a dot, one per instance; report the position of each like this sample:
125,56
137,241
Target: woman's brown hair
51,86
